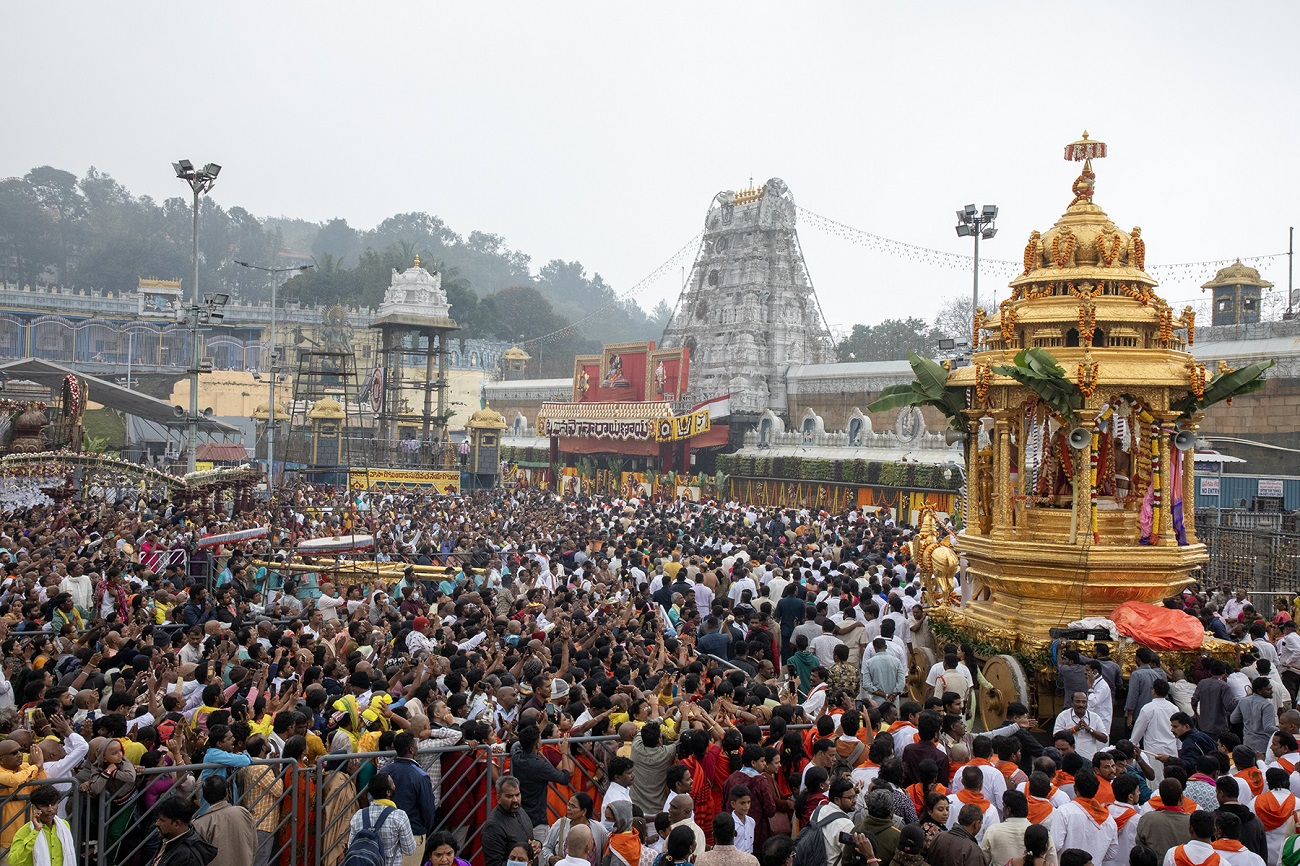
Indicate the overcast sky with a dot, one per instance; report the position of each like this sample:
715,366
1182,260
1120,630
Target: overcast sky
601,131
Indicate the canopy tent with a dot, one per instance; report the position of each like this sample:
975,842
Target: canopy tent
106,393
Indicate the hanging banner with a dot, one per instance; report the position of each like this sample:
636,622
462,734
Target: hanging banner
683,426
606,429
404,479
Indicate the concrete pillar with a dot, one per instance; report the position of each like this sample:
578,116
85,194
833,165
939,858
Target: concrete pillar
428,386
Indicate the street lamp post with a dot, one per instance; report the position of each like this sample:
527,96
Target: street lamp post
273,367
200,180
977,224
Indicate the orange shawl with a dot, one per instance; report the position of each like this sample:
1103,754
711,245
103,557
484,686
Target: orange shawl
966,795
1104,792
1096,811
1286,765
1181,859
1124,816
1254,778
1008,769
1062,778
1271,811
917,793
1039,810
626,847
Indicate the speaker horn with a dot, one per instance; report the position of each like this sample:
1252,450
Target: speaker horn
1080,438
207,413
952,437
178,411
1185,440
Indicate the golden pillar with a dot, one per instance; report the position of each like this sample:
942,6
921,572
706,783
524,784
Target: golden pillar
973,426
1189,481
1164,531
1081,505
1002,474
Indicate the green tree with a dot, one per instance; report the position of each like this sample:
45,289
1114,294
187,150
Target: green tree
891,340
337,239
28,235
57,193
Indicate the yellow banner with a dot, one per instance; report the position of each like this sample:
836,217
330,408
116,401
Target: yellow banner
203,466
682,426
405,479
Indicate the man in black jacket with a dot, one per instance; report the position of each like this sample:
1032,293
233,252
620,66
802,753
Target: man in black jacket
181,846
1251,831
507,826
1018,725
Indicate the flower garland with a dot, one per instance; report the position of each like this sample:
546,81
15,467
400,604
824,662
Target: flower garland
1092,491
1087,377
1166,319
1087,322
980,319
1105,256
1007,322
22,405
1059,256
1197,375
1138,292
1156,432
1032,661
983,379
1189,319
72,405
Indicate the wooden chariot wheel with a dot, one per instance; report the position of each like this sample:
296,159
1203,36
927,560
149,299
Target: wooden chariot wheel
1009,683
919,663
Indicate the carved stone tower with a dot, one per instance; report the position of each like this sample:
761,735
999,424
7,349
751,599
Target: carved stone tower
749,309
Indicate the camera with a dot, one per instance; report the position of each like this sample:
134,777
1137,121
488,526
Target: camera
846,839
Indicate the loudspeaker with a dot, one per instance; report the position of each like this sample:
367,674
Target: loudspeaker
1185,440
207,413
952,437
178,411
1079,438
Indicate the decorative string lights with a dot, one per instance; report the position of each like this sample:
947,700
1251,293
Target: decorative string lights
1001,268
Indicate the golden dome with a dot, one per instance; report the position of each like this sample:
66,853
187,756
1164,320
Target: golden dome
514,353
260,413
1237,274
326,408
486,418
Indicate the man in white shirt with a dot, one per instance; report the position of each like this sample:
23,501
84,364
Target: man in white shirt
620,784
1005,841
1075,824
1200,849
818,689
1100,699
1087,727
418,640
1153,731
1288,657
329,603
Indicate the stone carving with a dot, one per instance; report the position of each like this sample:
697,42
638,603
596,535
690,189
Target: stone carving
414,294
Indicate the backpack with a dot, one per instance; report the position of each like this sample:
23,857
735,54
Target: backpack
366,848
810,847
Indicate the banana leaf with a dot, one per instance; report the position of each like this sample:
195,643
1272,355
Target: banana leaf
930,388
1038,371
1236,383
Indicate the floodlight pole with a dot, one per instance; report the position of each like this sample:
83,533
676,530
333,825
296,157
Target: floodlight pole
978,223
200,180
272,369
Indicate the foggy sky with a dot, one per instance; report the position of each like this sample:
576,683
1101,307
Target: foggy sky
601,131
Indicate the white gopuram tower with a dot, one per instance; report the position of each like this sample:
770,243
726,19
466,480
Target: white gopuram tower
749,310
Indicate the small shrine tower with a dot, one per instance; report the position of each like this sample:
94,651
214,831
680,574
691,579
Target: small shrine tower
414,322
1238,294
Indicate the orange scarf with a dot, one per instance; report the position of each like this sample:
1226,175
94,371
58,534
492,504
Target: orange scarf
1039,810
1254,778
1188,805
966,795
981,762
917,793
1104,792
1096,811
1063,778
1181,859
1286,765
1007,769
627,847
1227,845
898,726
1124,816
1272,812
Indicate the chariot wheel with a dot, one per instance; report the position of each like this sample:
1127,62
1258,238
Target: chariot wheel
1009,683
920,661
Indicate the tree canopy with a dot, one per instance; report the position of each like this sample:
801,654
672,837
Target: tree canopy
92,233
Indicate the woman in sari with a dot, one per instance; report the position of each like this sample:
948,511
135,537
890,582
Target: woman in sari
107,775
337,807
298,777
624,841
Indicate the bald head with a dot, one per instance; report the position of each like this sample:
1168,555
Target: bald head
680,808
579,844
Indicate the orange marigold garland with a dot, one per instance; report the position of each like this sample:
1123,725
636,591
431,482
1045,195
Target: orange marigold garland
1061,256
1189,319
1166,326
981,318
1107,256
1007,321
983,379
1087,322
1196,373
1087,377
